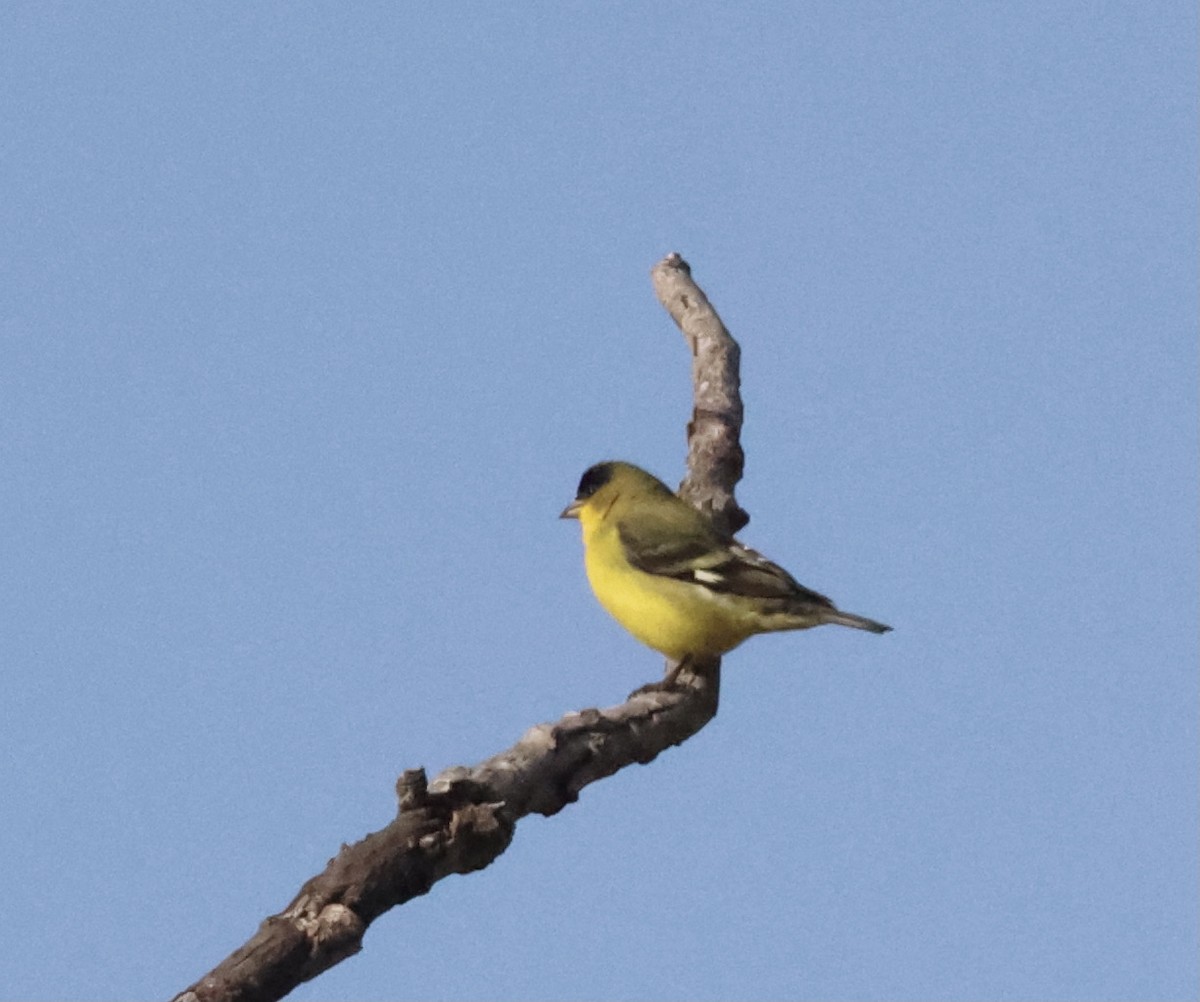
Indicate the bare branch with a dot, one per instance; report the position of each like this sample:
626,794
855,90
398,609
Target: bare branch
465,817
715,457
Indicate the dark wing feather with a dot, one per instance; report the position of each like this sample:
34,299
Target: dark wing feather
747,572
701,555
666,547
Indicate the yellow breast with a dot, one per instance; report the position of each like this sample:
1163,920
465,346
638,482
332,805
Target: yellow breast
673,617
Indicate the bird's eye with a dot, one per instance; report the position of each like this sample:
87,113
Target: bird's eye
593,479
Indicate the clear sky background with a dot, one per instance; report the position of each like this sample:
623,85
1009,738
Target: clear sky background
313,314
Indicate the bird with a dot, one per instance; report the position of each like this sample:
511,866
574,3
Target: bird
683,588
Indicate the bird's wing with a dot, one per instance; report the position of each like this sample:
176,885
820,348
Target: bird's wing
701,555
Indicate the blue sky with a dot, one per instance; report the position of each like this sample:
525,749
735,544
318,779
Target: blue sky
310,318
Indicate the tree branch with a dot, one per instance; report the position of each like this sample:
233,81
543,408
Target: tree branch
465,817
715,457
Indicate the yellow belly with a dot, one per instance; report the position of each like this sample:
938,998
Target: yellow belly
673,617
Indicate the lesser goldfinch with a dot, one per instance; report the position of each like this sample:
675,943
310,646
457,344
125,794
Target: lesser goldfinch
664,572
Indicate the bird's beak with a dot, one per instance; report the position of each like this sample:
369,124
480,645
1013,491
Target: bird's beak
572,510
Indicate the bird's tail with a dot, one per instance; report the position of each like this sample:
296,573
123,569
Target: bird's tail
849,619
